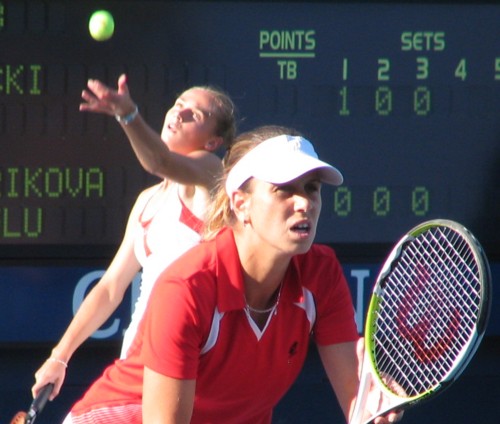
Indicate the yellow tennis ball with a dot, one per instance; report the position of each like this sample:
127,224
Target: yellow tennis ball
101,25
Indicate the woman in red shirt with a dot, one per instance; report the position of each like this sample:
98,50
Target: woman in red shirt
228,325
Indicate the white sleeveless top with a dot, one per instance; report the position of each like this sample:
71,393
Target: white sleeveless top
171,231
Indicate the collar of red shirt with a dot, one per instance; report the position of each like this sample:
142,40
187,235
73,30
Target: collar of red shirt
230,290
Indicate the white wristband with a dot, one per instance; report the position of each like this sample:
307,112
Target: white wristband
127,119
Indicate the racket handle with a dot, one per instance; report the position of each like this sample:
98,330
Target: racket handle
363,390
38,403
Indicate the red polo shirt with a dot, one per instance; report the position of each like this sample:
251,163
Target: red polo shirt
196,327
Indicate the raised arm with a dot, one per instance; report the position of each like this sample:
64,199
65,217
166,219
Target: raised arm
147,144
195,168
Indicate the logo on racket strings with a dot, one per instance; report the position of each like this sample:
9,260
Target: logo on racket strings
421,319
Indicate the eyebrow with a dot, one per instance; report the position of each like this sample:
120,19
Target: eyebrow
194,107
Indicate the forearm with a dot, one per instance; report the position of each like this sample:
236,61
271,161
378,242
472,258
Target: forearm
95,309
152,153
341,366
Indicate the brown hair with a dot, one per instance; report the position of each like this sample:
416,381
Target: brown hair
224,111
219,212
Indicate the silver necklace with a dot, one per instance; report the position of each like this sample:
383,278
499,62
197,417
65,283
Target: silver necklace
260,311
265,311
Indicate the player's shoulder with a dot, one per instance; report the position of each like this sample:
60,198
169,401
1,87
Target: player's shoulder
148,192
197,261
142,200
193,275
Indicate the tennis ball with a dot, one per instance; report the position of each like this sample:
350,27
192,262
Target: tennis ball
101,25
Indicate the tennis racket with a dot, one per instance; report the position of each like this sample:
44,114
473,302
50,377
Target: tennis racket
427,315
35,407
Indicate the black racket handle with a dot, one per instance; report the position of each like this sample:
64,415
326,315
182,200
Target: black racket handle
38,403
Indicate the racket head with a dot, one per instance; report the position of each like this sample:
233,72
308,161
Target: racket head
428,312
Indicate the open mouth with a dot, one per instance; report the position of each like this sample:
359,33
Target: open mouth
302,228
173,126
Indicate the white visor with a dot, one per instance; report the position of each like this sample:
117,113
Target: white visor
279,160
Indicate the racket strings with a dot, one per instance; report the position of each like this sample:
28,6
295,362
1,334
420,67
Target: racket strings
429,306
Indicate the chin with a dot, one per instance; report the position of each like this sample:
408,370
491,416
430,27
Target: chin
304,246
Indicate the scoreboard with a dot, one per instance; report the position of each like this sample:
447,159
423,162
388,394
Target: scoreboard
403,97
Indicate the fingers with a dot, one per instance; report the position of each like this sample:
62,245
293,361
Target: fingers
55,391
89,99
360,346
102,91
122,85
391,417
395,416
99,98
97,101
99,89
49,372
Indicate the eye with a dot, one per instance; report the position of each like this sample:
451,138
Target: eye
197,116
313,187
284,190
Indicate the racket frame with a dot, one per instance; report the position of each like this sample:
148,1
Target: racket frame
369,372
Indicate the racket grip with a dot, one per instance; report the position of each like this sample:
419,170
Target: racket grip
39,402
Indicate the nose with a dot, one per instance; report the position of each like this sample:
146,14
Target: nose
175,113
302,202
178,116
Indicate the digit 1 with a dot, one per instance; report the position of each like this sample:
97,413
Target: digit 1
344,110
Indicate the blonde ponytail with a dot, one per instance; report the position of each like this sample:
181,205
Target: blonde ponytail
219,213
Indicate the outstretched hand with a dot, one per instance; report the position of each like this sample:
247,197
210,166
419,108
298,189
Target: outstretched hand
99,98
